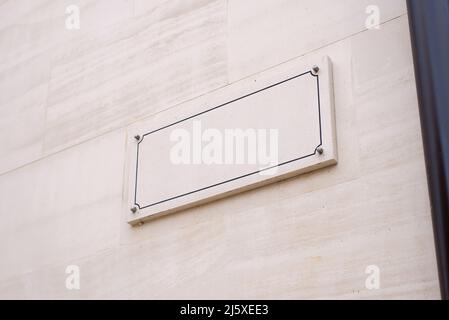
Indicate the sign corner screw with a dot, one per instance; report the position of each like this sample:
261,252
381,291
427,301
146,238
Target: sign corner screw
320,150
315,69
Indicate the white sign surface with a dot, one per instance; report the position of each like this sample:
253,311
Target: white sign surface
260,130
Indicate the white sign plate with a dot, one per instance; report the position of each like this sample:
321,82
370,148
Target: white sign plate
260,130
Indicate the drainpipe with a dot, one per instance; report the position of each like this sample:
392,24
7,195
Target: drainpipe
429,29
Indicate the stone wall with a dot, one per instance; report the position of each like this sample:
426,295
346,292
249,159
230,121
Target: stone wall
67,98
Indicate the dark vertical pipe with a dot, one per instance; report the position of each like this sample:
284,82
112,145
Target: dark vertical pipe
429,28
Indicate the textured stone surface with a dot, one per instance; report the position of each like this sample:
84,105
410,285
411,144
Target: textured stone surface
68,99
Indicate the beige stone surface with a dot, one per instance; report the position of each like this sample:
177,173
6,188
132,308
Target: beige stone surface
120,66
63,207
69,98
263,33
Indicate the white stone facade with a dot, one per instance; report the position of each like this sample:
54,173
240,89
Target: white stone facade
69,97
